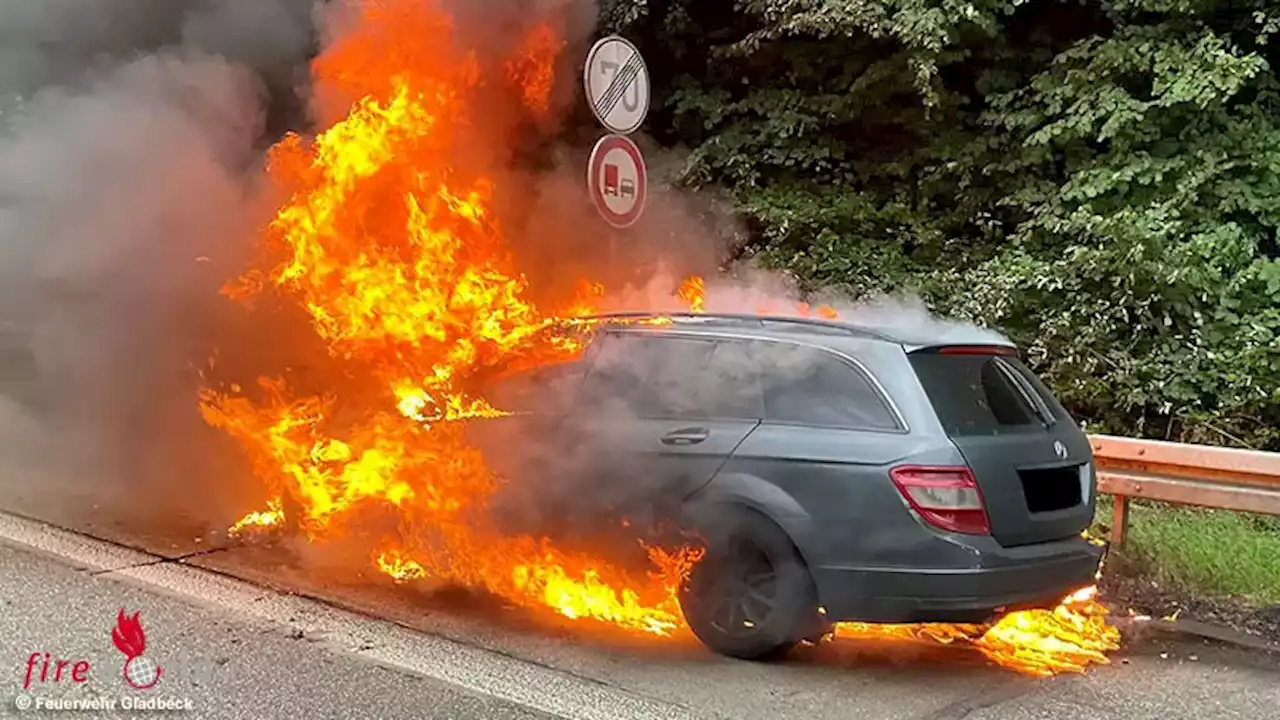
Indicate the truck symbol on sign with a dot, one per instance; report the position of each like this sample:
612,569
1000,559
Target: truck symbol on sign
615,187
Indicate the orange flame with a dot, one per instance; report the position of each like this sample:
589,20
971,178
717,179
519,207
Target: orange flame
401,568
693,291
532,70
272,516
1068,638
389,241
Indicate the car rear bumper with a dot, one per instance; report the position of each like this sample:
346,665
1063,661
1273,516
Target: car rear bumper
997,580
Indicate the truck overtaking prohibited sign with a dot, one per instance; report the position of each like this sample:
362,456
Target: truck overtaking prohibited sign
617,84
617,181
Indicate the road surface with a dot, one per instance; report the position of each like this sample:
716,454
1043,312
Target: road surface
241,649
225,666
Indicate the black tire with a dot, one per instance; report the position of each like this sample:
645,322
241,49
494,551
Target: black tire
751,596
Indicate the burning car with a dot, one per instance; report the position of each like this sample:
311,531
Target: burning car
439,419
835,472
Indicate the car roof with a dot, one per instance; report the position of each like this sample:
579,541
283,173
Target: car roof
921,336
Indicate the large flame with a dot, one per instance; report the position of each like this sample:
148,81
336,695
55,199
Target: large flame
390,242
393,248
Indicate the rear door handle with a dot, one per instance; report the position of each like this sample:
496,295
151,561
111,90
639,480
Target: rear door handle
686,436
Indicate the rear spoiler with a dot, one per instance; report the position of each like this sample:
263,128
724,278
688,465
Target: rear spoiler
968,349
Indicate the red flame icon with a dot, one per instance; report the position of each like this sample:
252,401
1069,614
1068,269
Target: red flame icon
128,636
139,672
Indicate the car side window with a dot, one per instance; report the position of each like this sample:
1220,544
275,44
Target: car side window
648,376
544,389
808,386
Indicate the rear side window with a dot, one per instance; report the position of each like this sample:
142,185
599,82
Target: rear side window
808,386
978,394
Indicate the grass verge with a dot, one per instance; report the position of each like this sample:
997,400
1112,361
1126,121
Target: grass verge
1198,551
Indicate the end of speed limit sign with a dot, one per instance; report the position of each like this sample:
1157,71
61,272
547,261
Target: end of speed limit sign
617,180
617,84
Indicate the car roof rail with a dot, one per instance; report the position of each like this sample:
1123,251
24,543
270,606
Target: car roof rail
762,321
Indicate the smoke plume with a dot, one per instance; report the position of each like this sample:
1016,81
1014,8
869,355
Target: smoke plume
131,132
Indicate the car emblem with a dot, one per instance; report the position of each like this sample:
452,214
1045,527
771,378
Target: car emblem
1060,449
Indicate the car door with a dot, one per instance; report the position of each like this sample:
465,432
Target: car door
524,448
660,413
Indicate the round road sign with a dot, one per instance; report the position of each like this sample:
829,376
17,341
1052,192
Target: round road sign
617,84
617,181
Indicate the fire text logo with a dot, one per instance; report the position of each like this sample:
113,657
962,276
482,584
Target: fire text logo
79,670
139,672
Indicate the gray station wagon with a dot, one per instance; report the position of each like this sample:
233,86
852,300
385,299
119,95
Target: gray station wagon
835,472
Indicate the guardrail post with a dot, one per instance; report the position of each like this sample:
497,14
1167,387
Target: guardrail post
1119,521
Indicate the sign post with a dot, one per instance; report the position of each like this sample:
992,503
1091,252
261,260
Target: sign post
616,81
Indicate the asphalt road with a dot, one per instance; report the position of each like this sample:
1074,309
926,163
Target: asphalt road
225,666
371,649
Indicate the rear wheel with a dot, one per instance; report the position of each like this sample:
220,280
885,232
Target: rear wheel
751,596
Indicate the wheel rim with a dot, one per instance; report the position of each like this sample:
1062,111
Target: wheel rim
745,594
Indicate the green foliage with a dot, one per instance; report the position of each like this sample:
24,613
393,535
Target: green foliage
1204,552
1099,180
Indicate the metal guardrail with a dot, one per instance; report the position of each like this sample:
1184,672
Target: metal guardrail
1200,475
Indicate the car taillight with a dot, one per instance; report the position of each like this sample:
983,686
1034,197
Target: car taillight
945,497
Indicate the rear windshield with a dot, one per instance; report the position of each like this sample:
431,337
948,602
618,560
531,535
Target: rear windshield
977,394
